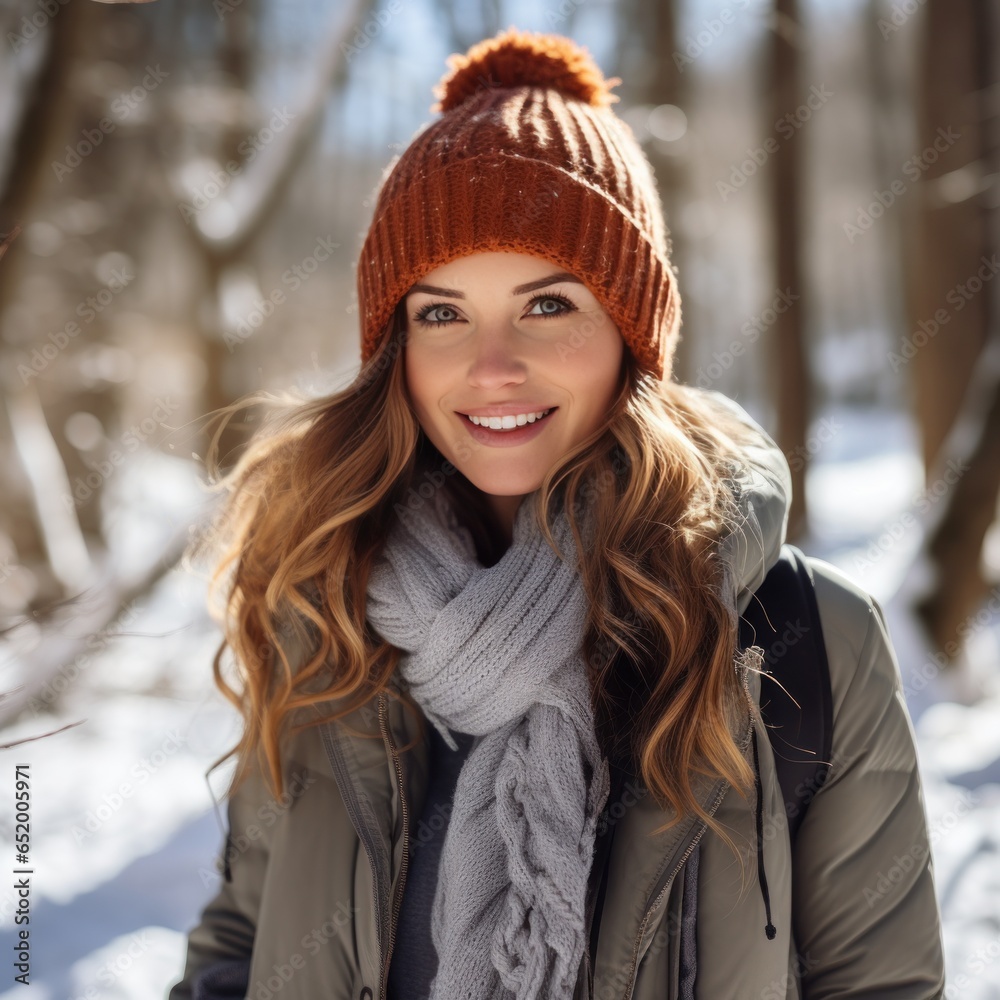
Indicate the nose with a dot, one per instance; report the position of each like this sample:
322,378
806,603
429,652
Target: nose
497,358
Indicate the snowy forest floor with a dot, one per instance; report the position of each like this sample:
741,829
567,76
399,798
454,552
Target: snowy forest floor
125,836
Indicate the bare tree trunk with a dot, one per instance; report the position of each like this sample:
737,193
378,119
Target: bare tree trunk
236,62
648,45
655,25
792,383
947,324
257,192
44,122
957,541
890,111
955,544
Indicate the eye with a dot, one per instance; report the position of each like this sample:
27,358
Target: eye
549,297
423,313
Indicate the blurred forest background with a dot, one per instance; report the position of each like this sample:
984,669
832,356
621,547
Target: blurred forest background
184,188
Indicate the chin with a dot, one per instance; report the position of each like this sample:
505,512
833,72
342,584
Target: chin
505,485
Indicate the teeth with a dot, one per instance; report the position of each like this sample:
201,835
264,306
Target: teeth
510,421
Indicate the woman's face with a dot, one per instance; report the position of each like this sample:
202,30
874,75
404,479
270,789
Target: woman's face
508,336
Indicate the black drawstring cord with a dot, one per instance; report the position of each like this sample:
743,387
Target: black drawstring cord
769,928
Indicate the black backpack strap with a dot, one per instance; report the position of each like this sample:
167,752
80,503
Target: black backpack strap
783,619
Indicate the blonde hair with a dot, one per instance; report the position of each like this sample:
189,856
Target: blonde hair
312,496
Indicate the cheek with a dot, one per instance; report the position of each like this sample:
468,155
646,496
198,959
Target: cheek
593,368
419,378
428,381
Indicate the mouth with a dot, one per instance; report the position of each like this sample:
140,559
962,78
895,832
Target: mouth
510,422
485,432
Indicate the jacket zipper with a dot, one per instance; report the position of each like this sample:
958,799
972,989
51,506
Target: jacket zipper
630,985
722,788
398,896
359,824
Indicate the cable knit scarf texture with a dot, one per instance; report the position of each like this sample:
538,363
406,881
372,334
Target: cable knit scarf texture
496,652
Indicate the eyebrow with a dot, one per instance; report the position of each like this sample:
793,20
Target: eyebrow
454,293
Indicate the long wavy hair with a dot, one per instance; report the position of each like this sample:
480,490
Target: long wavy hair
308,503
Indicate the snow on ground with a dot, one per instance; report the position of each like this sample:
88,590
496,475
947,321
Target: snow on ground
125,835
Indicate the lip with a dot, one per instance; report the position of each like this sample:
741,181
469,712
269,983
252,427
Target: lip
513,437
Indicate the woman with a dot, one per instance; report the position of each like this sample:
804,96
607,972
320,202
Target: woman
515,527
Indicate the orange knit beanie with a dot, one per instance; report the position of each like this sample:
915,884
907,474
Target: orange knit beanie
527,156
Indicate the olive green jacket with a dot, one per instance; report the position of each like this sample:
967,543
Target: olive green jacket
317,877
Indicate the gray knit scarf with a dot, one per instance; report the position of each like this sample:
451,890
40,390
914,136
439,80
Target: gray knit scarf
496,652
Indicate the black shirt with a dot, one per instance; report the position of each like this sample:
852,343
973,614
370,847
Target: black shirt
414,959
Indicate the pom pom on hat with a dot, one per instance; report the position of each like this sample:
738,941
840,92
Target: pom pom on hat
519,58
528,157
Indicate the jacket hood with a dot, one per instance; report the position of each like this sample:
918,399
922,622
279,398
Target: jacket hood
763,490
764,495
